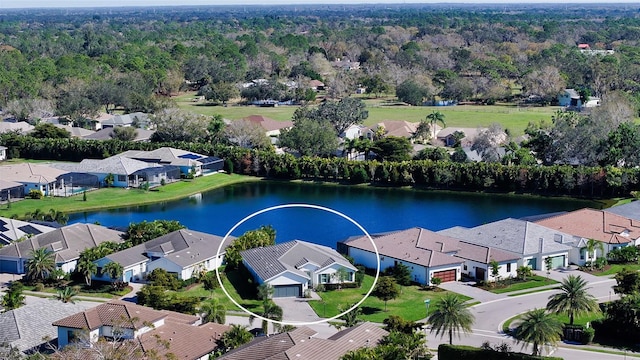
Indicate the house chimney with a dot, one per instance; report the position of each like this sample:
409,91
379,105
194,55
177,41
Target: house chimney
541,245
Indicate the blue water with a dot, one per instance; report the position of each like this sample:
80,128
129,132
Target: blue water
375,209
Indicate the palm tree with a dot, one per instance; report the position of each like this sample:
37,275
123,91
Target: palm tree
538,327
235,337
434,118
213,311
592,246
451,316
114,270
41,264
573,298
66,295
87,269
271,312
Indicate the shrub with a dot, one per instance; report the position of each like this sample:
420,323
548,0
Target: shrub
587,335
35,194
39,287
320,288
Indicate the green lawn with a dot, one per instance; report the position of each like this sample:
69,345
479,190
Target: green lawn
508,115
102,295
118,197
616,268
409,305
532,282
578,320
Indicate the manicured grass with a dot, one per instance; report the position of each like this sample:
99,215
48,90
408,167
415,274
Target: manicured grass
616,268
409,305
508,115
578,320
118,197
102,295
532,282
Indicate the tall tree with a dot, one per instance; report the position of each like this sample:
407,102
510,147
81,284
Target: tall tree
451,315
392,148
114,270
489,141
246,134
310,138
434,118
592,246
573,298
270,311
235,337
87,269
40,265
411,92
49,131
538,328
124,133
177,125
341,114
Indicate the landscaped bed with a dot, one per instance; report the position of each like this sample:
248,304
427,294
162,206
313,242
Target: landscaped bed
510,285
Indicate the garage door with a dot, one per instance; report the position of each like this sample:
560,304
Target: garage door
287,291
557,262
447,275
8,266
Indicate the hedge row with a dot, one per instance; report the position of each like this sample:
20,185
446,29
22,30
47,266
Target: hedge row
462,352
577,181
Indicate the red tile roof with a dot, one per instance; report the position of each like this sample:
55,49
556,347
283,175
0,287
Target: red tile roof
182,340
267,123
595,224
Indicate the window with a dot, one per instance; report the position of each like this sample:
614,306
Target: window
582,251
122,178
324,278
509,267
465,267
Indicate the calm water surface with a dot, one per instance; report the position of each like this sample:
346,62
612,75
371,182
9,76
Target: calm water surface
376,209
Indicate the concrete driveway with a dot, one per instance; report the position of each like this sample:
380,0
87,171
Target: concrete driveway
296,309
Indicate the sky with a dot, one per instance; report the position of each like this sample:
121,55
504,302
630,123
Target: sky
120,3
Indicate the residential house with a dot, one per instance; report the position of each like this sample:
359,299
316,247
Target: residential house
21,127
150,329
137,119
428,255
106,133
3,153
295,266
25,327
33,177
189,162
629,210
66,243
301,344
271,127
357,131
446,136
569,97
316,85
75,132
346,65
96,123
183,252
533,243
611,229
12,230
399,128
126,172
10,190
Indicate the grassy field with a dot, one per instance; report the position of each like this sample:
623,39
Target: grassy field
531,283
616,268
509,116
118,197
409,305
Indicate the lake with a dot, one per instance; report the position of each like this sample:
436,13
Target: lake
375,209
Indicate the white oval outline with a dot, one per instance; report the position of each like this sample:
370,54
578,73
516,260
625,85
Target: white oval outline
302,205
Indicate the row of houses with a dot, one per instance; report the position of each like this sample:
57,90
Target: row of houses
129,169
294,267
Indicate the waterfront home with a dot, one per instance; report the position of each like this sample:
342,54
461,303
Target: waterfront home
295,266
33,177
184,253
117,171
161,331
612,230
190,163
12,230
429,255
66,244
533,243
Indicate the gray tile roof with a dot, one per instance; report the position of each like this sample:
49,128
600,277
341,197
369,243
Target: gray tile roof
12,229
630,210
165,155
271,261
183,247
67,242
4,184
513,235
115,165
416,245
31,173
107,134
25,326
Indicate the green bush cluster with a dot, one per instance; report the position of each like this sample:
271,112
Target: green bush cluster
462,352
